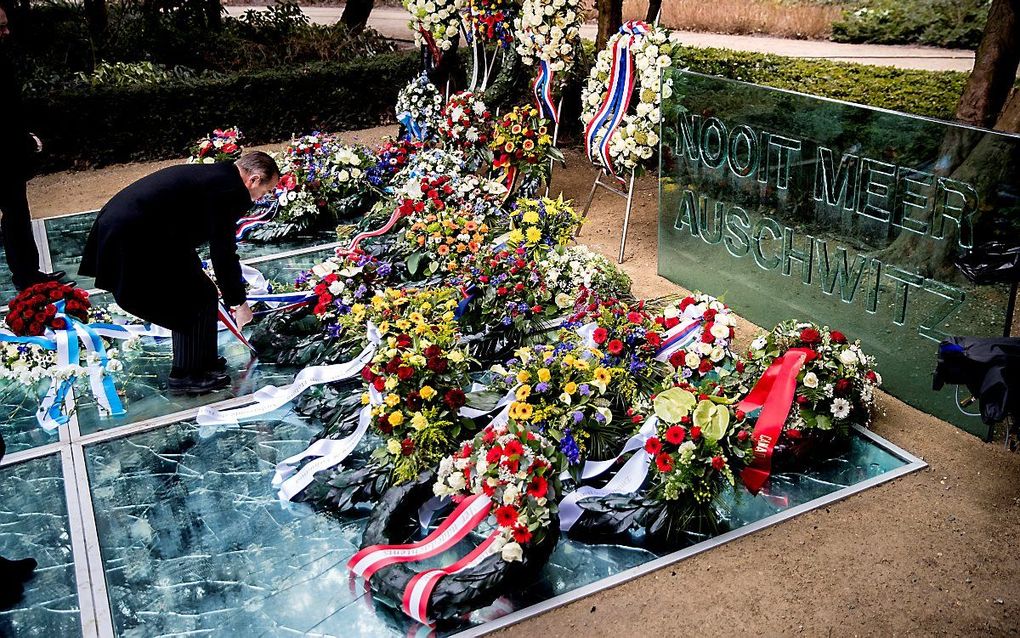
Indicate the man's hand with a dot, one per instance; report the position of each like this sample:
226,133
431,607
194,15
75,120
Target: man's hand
242,315
38,143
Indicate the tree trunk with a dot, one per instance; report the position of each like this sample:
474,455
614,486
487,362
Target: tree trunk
356,13
610,20
97,18
214,14
1009,119
654,7
995,66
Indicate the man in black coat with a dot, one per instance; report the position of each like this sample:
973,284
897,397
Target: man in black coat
17,150
142,249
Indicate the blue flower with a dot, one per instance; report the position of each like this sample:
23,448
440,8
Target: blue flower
541,387
568,446
584,389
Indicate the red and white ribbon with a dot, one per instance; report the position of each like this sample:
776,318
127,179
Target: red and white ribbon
419,589
468,516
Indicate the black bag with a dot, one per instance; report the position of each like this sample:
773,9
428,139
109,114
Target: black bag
989,367
991,263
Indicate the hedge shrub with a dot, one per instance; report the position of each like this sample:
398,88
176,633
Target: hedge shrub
93,127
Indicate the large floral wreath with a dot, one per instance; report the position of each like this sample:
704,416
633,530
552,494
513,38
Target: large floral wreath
634,143
435,22
550,31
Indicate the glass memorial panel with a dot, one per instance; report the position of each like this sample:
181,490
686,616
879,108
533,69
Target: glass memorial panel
146,370
34,523
194,539
792,206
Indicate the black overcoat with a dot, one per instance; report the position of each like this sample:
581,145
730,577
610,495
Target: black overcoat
142,247
17,147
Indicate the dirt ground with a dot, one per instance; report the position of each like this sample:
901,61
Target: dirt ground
932,553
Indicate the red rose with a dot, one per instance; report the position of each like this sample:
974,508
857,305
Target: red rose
455,398
664,463
718,463
635,317
538,487
793,434
695,433
740,414
686,302
367,374
810,355
379,383
413,402
437,365
433,351
810,336
407,447
675,435
706,366
843,386
653,339
802,400
405,372
710,314
677,359
403,341
742,436
872,377
837,336
653,446
740,366
706,336
393,365
600,335
615,347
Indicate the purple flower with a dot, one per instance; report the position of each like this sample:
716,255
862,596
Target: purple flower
577,416
541,387
584,389
568,446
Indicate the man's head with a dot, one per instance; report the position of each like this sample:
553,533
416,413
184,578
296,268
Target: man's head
259,172
5,29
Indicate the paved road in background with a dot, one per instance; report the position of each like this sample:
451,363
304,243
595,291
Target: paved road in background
392,22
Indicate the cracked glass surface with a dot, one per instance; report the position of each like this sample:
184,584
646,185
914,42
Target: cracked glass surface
66,237
194,539
34,523
19,428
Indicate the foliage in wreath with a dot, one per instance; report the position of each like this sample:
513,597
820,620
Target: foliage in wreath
513,292
439,18
467,126
518,469
223,145
421,101
492,20
563,391
521,140
835,387
322,181
550,31
634,144
419,376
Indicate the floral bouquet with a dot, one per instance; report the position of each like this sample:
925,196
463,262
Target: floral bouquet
576,276
545,222
419,378
835,385
522,144
436,23
709,355
634,144
514,466
419,108
392,157
563,391
466,126
35,309
322,181
492,20
550,31
512,290
448,240
627,338
224,145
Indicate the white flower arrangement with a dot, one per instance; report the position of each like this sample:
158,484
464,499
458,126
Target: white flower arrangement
421,99
550,31
634,144
467,126
568,272
441,18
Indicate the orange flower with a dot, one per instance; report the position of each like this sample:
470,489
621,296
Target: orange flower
421,240
444,249
461,248
484,228
474,246
470,226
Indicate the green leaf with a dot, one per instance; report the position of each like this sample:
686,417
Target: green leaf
674,404
413,263
712,419
823,422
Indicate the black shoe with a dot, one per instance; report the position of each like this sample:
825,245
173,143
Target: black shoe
17,569
220,365
199,383
59,275
11,593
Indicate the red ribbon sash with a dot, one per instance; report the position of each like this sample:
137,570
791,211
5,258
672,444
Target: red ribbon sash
774,394
419,590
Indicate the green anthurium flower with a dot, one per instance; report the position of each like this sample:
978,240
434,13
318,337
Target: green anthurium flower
674,404
712,419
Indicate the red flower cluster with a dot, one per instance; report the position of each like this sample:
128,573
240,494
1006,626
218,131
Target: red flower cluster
35,308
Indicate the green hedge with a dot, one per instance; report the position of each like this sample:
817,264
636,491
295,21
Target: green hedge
89,128
930,93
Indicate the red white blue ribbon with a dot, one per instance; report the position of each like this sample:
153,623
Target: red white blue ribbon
227,319
247,224
678,337
543,93
599,131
